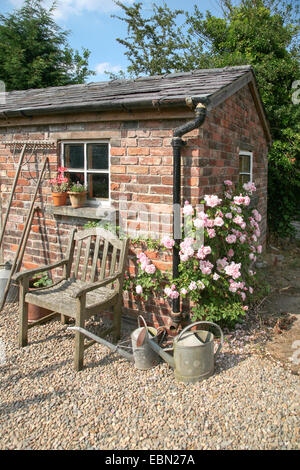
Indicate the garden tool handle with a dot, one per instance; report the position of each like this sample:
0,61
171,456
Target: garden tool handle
204,323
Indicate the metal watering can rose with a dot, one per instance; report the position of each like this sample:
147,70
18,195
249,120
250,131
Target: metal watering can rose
144,356
194,357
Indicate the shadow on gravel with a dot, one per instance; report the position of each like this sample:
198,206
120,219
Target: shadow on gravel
21,405
228,360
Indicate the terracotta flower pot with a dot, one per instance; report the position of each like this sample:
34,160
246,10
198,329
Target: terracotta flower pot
36,313
77,199
59,199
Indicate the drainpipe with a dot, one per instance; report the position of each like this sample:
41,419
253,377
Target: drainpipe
177,143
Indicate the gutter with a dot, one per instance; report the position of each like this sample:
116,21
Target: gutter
113,105
177,143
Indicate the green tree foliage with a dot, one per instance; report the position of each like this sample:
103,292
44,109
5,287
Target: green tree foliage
34,51
155,44
262,33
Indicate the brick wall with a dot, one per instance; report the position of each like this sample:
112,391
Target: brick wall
141,178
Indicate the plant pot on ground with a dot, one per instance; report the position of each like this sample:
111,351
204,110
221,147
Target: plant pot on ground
34,311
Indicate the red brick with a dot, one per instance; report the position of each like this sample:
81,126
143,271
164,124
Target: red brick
138,151
117,151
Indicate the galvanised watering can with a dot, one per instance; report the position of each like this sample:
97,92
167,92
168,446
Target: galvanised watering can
194,357
144,356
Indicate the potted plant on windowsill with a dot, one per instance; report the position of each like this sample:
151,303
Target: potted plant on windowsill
59,187
34,311
77,193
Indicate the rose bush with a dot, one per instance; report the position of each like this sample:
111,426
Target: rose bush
219,247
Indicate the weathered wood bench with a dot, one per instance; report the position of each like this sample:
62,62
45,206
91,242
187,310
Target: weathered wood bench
93,253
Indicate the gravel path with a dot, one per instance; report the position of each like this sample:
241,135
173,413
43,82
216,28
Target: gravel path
250,402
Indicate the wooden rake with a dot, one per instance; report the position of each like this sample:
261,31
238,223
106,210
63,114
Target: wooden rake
22,245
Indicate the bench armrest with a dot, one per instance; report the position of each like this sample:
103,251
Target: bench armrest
95,285
30,272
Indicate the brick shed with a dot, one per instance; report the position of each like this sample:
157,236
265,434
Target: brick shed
117,137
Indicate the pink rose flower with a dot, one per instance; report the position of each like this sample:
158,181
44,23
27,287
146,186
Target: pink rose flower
188,209
212,200
228,183
218,222
139,289
206,267
249,187
150,269
200,285
199,223
210,223
257,215
203,251
193,285
238,220
211,232
168,242
230,238
233,270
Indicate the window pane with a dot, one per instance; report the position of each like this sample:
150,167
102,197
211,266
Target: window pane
98,185
244,179
74,156
97,156
74,177
245,163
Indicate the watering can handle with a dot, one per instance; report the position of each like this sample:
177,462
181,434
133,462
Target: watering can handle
204,323
139,321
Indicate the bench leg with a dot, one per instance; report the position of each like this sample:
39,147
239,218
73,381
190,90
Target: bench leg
23,315
117,321
79,337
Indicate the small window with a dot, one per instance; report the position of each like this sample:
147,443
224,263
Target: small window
88,163
245,162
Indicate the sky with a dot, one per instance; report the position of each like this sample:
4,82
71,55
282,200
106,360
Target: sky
91,26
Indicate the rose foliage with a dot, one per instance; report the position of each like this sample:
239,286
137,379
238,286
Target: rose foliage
218,250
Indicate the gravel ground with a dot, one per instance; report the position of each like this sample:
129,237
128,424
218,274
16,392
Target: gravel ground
249,403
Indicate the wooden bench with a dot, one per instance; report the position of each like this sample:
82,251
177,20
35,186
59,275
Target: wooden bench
92,254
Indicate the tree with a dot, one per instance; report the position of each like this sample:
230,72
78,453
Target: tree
262,33
34,51
155,44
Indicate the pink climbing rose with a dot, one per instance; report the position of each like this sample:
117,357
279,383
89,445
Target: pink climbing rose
233,270
168,242
212,200
139,289
230,238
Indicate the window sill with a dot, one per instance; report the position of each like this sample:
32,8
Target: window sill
85,212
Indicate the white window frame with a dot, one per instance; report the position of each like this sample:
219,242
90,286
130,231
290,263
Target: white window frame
250,154
85,171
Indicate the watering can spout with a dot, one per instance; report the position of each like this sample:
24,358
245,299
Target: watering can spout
164,355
